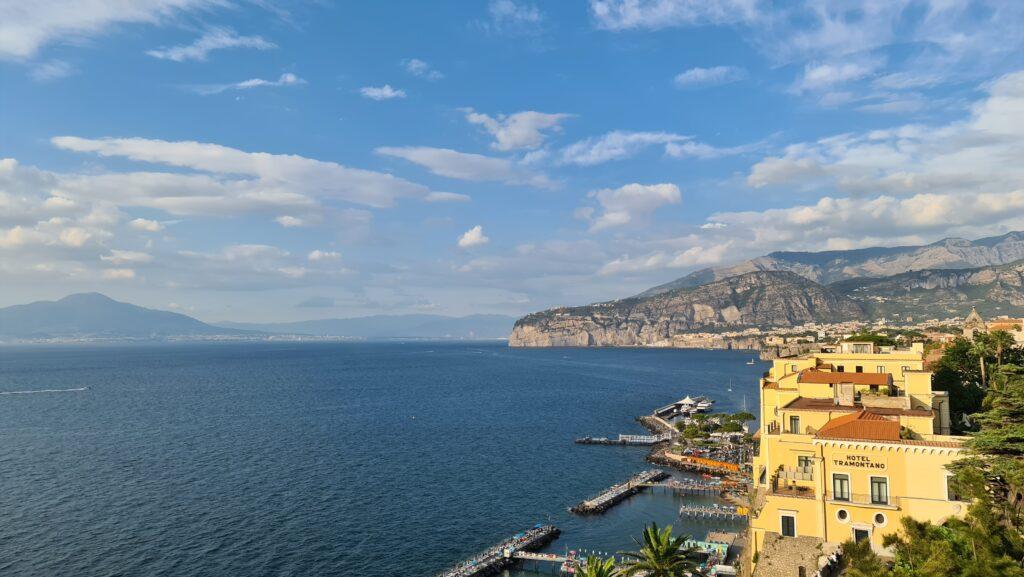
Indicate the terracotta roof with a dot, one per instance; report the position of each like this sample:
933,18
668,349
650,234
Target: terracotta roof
771,385
833,378
861,426
756,435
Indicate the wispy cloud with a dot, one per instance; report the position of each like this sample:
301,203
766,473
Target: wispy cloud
421,69
714,76
513,18
379,93
217,38
51,70
467,166
286,79
515,131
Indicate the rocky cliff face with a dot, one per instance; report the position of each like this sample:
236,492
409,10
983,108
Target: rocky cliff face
833,266
760,298
994,290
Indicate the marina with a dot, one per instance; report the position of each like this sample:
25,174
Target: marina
617,493
504,554
635,440
727,512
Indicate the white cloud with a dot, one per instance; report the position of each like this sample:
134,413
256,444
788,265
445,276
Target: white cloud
288,221
515,131
227,180
126,257
655,14
717,75
323,255
51,70
118,274
619,144
286,79
216,38
447,197
25,27
381,92
146,225
626,204
465,166
473,237
825,76
421,69
513,18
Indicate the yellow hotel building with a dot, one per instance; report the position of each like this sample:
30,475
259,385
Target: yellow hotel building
851,441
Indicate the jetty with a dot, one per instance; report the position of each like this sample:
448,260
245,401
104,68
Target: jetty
636,440
695,487
504,554
617,493
713,512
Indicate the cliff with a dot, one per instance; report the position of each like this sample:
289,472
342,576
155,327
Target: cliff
760,298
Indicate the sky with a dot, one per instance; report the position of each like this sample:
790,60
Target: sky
275,160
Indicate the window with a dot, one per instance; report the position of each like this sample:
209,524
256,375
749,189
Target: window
839,368
880,369
880,519
792,368
951,493
879,490
764,477
803,462
874,388
794,424
840,487
859,369
788,526
842,515
861,535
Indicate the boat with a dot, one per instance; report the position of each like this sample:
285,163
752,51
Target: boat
750,362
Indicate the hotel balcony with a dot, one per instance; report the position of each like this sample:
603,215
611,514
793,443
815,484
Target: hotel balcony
866,500
793,482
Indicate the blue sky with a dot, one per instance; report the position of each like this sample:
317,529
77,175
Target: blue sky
286,160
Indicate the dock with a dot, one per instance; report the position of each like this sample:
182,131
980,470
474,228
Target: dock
636,440
617,493
504,554
713,512
695,487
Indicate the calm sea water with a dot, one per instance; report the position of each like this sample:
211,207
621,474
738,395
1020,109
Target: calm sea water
324,459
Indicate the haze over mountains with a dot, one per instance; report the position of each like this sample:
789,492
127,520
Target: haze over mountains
98,317
784,289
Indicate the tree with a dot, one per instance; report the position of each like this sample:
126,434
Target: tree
862,561
597,567
999,342
981,348
660,555
742,417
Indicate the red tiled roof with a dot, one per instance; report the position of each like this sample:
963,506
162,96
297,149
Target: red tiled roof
833,378
861,426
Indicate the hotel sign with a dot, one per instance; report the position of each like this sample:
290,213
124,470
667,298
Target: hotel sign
859,462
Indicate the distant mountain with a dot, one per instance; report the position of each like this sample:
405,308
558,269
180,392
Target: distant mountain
93,315
922,294
393,326
760,298
836,265
777,299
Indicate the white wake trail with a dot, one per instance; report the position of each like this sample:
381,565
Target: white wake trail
44,391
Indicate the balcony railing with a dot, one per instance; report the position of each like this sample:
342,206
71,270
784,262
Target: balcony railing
865,499
796,473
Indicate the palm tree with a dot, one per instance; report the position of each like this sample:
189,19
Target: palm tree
1000,341
981,347
660,555
597,567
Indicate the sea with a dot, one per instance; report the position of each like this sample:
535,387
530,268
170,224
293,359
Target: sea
348,459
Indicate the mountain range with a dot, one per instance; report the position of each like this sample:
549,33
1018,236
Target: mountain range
786,289
96,316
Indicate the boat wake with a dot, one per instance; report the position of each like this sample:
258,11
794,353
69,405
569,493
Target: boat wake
44,391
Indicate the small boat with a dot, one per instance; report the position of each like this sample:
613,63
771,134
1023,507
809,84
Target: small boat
750,362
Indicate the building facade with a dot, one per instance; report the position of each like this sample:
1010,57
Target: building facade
851,441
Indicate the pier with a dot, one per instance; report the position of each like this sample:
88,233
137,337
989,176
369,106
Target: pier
696,487
617,493
637,440
713,512
504,554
